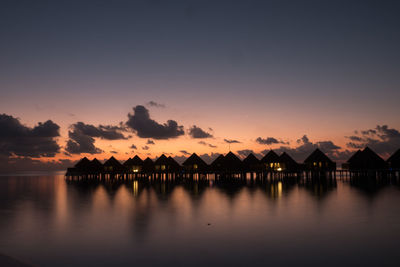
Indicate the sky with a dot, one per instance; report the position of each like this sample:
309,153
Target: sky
103,78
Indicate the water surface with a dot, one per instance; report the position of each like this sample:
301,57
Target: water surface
47,221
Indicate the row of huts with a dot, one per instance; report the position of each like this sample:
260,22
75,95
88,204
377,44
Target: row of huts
361,160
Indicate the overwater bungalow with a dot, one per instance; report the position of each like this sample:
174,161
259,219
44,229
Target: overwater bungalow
195,164
166,164
83,165
394,160
287,163
217,164
232,164
270,161
148,165
173,165
366,160
95,166
134,165
252,164
113,166
318,161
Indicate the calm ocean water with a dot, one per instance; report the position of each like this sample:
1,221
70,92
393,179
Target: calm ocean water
46,221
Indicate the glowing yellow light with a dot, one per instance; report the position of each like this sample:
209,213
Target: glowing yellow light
279,169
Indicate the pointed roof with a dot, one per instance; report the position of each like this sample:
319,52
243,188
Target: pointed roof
113,162
173,163
394,157
355,156
317,156
231,160
289,162
371,155
366,159
218,161
271,156
128,162
83,164
137,161
95,164
148,164
148,161
251,160
162,160
194,159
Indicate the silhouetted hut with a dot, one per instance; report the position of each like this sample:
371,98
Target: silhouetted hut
318,161
286,163
366,160
113,166
232,164
270,161
83,165
148,165
127,164
137,164
195,164
251,163
394,160
173,166
161,164
134,165
96,166
217,164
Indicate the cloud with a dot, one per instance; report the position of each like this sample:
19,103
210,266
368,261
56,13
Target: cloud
133,147
17,139
184,152
107,132
114,152
306,147
155,104
150,142
197,132
23,164
81,137
207,144
231,141
145,148
381,139
208,158
145,127
270,141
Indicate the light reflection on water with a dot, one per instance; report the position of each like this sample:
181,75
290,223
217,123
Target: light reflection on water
48,222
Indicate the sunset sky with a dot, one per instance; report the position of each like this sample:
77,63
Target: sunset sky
286,75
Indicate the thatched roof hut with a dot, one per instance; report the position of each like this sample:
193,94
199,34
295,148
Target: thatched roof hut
96,166
148,165
286,163
230,163
195,164
113,165
318,161
366,160
162,163
270,161
173,165
251,163
217,164
83,165
134,164
394,160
